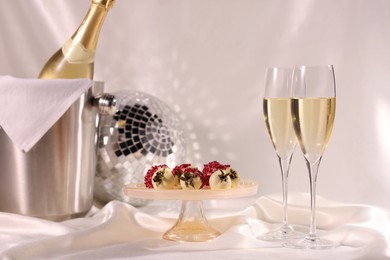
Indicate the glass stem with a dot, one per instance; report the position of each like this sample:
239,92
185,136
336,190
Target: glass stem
192,211
313,172
285,167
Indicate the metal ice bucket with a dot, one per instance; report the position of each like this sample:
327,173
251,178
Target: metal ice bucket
55,179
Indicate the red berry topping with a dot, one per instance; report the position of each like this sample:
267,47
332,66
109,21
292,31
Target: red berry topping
149,175
179,170
210,168
192,170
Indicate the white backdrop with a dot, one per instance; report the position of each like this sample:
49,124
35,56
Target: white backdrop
206,59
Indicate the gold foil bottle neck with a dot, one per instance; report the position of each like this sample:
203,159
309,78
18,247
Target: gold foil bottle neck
108,4
76,57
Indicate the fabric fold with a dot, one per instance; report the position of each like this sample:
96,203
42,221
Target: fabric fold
120,231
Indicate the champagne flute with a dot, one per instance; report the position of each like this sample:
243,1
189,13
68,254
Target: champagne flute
277,117
313,107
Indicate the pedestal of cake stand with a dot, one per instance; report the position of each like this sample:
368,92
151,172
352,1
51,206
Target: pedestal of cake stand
192,225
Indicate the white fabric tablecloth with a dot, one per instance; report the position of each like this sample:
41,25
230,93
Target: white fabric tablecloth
120,231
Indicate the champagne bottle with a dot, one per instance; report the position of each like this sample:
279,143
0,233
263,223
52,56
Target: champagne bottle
76,57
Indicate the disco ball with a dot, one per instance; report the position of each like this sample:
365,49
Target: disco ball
144,132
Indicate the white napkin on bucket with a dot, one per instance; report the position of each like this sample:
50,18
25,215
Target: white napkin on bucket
30,107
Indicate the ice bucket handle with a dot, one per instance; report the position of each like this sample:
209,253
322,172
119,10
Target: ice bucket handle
106,103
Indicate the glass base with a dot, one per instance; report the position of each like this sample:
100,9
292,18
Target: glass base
284,232
191,232
191,226
311,242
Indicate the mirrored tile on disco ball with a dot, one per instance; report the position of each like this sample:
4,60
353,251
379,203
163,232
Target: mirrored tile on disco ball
144,132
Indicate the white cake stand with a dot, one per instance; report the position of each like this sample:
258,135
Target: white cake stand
191,226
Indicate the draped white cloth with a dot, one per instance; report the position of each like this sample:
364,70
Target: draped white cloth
120,231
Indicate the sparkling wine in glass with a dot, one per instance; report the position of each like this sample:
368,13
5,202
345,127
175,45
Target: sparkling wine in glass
277,117
313,108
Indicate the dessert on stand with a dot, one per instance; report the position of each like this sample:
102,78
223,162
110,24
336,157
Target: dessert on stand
186,183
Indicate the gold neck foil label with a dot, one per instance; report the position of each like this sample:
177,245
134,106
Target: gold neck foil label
75,52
